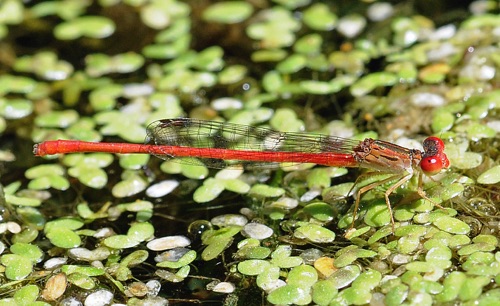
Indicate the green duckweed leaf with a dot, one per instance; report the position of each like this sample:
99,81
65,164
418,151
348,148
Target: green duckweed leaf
232,74
303,276
210,59
186,259
320,211
11,12
452,225
89,26
289,294
120,242
420,266
490,176
84,270
44,170
308,44
475,247
210,190
65,10
161,14
22,201
462,159
315,233
16,84
319,17
253,266
212,236
194,171
292,64
67,223
15,108
228,12
367,83
135,258
91,160
27,295
268,277
132,185
319,178
488,239
272,81
442,121
134,161
323,292
17,267
141,231
31,216
81,280
377,214
90,176
215,248
253,252
63,238
287,262
177,30
477,131
181,274
348,255
57,119
168,50
262,190
408,244
344,276
105,98
45,65
452,285
27,250
472,287
236,185
269,55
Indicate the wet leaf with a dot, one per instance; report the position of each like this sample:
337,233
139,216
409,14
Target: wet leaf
303,276
17,267
289,294
253,266
315,233
452,225
215,248
90,26
319,17
266,191
210,190
167,243
228,12
188,258
26,295
344,276
120,242
323,292
63,238
490,176
141,231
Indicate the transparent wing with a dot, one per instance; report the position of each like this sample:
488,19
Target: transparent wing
235,138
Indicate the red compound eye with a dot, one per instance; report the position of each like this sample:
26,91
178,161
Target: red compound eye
434,159
431,165
434,164
433,146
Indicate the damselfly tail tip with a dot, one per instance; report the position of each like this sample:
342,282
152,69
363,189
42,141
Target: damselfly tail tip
40,149
36,150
